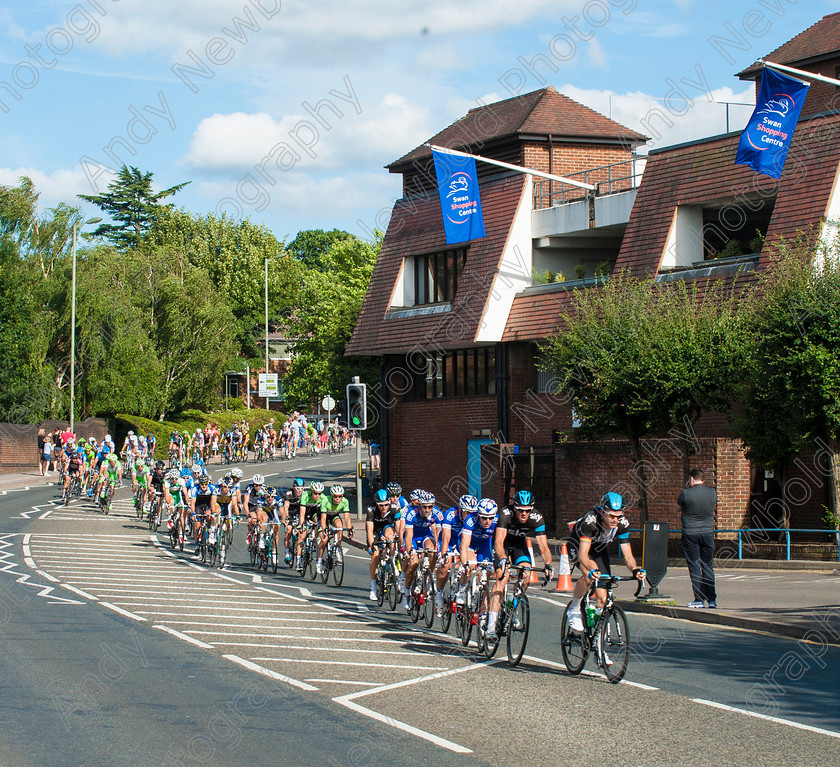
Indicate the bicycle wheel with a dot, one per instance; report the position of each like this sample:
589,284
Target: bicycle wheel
313,561
229,535
173,535
491,643
221,556
380,585
393,590
253,548
446,615
338,565
429,593
614,644
573,646
275,558
518,623
414,603
466,615
211,552
327,564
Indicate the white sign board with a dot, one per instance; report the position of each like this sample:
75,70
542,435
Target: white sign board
268,386
328,403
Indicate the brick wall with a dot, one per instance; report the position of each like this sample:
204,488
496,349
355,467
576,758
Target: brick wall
19,442
428,442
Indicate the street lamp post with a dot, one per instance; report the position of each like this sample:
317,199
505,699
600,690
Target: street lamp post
73,328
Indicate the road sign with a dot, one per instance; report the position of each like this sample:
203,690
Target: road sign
328,403
268,385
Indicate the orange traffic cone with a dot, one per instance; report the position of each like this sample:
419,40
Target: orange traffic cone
564,579
534,577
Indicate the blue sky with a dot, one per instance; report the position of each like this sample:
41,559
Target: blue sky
286,111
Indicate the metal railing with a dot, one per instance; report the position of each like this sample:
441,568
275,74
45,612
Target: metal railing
608,179
786,530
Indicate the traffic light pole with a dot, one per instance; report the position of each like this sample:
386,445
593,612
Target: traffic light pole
358,458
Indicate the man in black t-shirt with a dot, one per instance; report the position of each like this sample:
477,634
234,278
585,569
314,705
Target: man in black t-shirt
697,504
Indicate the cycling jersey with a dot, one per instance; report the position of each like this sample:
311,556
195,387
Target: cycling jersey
481,537
454,522
177,490
381,520
74,464
311,504
334,509
422,528
293,501
591,527
157,477
203,496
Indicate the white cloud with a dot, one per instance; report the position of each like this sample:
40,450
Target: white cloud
59,186
596,54
674,121
238,142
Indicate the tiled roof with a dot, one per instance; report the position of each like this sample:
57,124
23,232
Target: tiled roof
416,227
820,39
543,112
698,173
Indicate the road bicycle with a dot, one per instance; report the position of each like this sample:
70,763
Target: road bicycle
73,487
474,605
514,617
176,534
105,496
421,600
450,587
387,577
605,633
333,561
155,509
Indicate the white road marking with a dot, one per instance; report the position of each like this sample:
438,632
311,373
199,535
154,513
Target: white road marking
332,662
364,650
184,637
268,672
345,681
776,719
123,612
80,592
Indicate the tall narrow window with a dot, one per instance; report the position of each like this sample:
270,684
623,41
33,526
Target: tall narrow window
436,276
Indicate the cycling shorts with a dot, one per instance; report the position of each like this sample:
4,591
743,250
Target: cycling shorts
419,541
598,554
224,509
73,469
380,527
516,550
143,481
483,551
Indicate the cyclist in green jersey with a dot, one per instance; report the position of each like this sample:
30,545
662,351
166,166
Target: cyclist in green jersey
140,478
335,512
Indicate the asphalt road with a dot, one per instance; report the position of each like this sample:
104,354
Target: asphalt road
115,650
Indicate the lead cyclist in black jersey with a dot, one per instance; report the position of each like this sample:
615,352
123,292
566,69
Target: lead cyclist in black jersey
590,536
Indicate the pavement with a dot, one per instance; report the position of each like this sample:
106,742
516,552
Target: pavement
799,599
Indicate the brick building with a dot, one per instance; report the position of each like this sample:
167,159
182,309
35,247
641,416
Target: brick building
461,400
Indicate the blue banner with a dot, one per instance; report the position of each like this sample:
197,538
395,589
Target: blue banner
765,141
460,202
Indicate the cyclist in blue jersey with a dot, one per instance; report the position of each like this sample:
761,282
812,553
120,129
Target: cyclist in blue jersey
420,533
450,541
477,546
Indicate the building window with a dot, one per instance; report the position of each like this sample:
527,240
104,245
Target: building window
435,276
459,373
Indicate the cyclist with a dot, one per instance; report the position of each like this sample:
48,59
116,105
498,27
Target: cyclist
380,524
75,466
254,499
292,514
450,541
510,545
477,548
203,506
335,512
111,474
236,475
590,537
226,499
140,478
310,513
156,480
420,532
175,497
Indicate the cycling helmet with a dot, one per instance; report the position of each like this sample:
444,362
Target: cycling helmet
198,431
393,488
337,490
225,481
258,479
468,503
130,433
381,496
196,468
316,487
185,472
523,498
238,473
107,437
159,464
106,450
142,440
612,502
270,490
150,436
200,462
298,482
173,474
415,495
204,479
487,507
186,433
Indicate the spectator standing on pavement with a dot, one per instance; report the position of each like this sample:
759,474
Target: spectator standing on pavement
41,450
697,504
46,456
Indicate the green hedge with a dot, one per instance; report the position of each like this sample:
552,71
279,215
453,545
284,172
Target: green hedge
189,420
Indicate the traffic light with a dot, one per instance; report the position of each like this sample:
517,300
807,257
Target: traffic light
357,406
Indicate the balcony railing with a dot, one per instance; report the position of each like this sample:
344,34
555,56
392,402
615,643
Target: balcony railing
608,179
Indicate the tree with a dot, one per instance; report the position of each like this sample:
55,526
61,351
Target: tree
641,357
323,322
131,201
311,246
791,398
